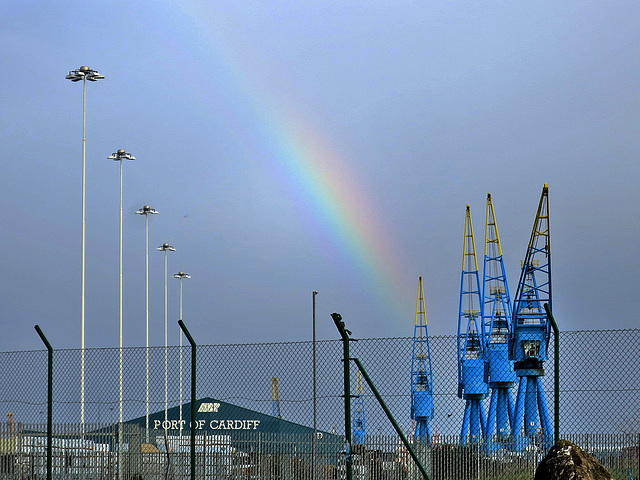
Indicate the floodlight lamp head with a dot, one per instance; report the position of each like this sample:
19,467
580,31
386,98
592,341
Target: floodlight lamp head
73,77
146,210
84,72
165,247
121,154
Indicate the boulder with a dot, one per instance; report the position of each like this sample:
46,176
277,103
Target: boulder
567,461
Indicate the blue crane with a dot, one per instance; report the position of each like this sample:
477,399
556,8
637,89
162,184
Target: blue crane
496,317
360,417
529,337
471,358
421,373
275,398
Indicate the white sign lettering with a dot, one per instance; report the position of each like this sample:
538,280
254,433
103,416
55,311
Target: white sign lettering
234,424
213,424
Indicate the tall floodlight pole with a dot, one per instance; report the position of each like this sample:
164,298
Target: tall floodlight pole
181,276
166,248
119,157
146,211
83,73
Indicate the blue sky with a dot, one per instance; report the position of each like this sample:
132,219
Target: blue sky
424,107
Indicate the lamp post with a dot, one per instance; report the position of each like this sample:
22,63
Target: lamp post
120,156
83,73
166,248
181,276
146,211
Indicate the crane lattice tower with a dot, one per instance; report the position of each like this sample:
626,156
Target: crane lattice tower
531,329
421,373
496,317
275,398
360,417
471,358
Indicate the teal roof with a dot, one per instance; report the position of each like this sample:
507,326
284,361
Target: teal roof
242,425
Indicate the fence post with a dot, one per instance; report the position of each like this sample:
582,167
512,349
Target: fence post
556,374
638,463
49,397
344,333
193,400
314,441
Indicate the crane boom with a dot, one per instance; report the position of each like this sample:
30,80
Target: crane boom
471,356
275,398
496,317
360,417
531,330
421,373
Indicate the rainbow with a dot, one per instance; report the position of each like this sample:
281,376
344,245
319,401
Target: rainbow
309,169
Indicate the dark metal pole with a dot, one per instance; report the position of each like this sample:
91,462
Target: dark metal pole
49,398
382,403
193,399
556,374
314,441
344,333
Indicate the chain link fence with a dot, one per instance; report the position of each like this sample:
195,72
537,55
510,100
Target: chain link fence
250,426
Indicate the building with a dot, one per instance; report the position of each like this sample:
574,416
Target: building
220,424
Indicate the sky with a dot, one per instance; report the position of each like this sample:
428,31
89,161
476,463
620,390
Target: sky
300,146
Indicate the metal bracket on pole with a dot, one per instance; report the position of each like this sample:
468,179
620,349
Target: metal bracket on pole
49,399
193,398
556,374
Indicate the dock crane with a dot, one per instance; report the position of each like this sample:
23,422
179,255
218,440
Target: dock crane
275,398
471,355
496,317
421,373
360,417
529,337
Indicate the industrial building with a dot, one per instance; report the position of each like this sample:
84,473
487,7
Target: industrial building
222,423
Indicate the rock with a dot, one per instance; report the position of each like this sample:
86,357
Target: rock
567,461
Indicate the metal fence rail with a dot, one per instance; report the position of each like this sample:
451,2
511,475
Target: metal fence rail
599,392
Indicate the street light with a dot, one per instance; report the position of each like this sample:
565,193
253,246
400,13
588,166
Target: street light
83,73
181,276
165,247
119,156
146,211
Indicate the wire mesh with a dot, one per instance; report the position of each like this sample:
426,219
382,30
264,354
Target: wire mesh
245,429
